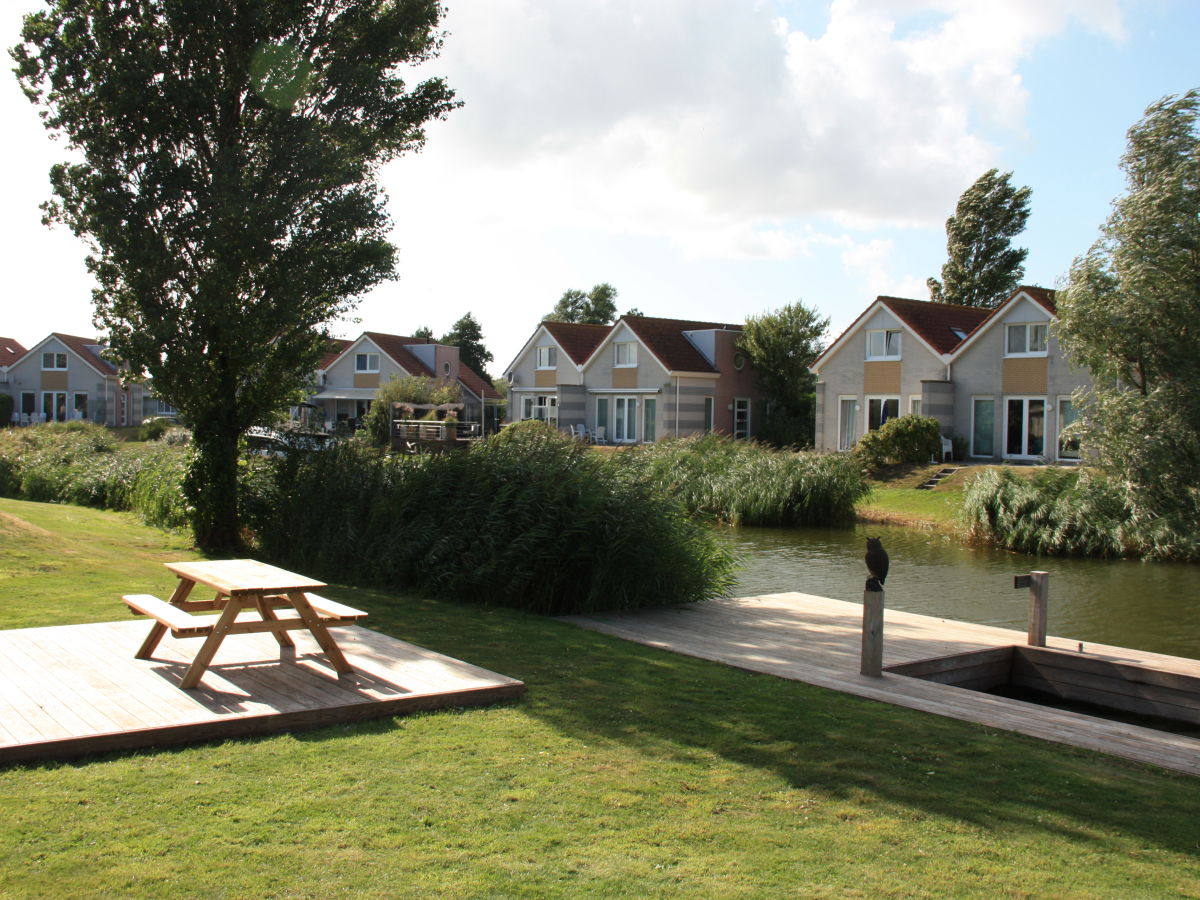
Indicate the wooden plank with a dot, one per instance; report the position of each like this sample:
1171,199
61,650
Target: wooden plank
1134,672
179,621
244,576
924,667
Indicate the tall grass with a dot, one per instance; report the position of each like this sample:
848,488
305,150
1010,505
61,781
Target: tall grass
81,463
745,483
528,519
1070,512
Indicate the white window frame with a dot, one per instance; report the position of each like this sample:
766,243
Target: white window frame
50,410
883,398
1026,399
841,421
747,432
624,354
710,412
632,409
366,363
544,408
54,357
888,353
914,404
1029,332
545,357
1059,426
991,451
74,407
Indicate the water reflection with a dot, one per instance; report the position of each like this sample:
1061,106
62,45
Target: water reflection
1147,606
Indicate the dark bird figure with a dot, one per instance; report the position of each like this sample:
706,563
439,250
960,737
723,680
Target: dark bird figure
877,564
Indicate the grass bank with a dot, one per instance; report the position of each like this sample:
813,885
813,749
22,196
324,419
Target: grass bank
623,772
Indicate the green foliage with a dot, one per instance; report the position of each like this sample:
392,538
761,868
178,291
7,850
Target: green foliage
781,345
904,439
983,267
228,189
529,519
1069,512
467,335
597,307
744,483
406,389
1127,314
80,463
153,430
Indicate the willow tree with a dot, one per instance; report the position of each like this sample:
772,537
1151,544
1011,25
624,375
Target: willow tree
1131,313
225,181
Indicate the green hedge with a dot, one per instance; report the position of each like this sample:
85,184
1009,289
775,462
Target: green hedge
904,439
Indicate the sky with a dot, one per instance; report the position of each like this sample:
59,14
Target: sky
711,159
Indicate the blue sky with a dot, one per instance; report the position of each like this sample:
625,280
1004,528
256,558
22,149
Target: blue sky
712,159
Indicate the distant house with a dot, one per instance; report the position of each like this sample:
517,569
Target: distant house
353,371
996,378
637,380
64,377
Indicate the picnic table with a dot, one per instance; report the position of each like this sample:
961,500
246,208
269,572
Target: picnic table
241,585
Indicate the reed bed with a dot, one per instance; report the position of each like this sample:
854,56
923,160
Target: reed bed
745,483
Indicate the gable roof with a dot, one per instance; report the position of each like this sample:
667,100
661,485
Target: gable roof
10,351
394,345
942,325
337,346
577,340
87,349
1043,297
665,338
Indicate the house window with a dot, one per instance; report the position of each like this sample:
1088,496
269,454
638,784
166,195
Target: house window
544,408
649,409
54,362
28,403
741,417
366,362
881,410
547,357
602,418
1025,339
983,426
847,407
708,414
79,405
914,405
883,344
626,354
624,419
54,406
1068,447
446,369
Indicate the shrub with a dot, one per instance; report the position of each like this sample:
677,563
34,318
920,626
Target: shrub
528,518
377,423
744,483
905,439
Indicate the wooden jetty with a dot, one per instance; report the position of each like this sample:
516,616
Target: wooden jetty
77,689
818,640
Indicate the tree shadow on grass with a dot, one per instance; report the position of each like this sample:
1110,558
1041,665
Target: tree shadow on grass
598,688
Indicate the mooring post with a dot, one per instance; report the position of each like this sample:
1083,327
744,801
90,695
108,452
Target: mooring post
1039,596
872,634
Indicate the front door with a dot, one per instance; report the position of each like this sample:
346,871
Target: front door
1025,427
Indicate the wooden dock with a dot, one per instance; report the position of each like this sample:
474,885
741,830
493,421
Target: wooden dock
818,641
77,689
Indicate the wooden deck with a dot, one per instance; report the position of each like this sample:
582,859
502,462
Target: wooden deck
77,689
818,640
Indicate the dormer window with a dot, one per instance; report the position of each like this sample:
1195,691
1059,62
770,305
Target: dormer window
626,354
1025,339
883,344
54,361
366,362
547,357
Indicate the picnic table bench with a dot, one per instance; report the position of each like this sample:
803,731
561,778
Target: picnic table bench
241,585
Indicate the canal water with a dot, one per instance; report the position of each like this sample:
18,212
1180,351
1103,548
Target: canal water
1142,605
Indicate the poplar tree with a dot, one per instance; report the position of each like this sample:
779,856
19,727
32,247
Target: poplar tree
225,182
1131,313
467,335
983,267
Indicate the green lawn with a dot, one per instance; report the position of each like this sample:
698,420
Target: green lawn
623,772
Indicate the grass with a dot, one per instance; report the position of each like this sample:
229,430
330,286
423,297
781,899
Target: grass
623,772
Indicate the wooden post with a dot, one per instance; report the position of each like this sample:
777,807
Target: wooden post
1039,595
872,634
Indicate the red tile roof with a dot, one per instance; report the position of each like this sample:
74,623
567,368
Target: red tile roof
1044,297
394,345
577,340
942,325
89,349
666,340
10,351
476,384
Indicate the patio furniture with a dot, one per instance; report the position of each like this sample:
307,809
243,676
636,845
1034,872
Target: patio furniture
241,585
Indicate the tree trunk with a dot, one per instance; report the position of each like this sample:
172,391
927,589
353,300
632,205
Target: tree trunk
212,488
